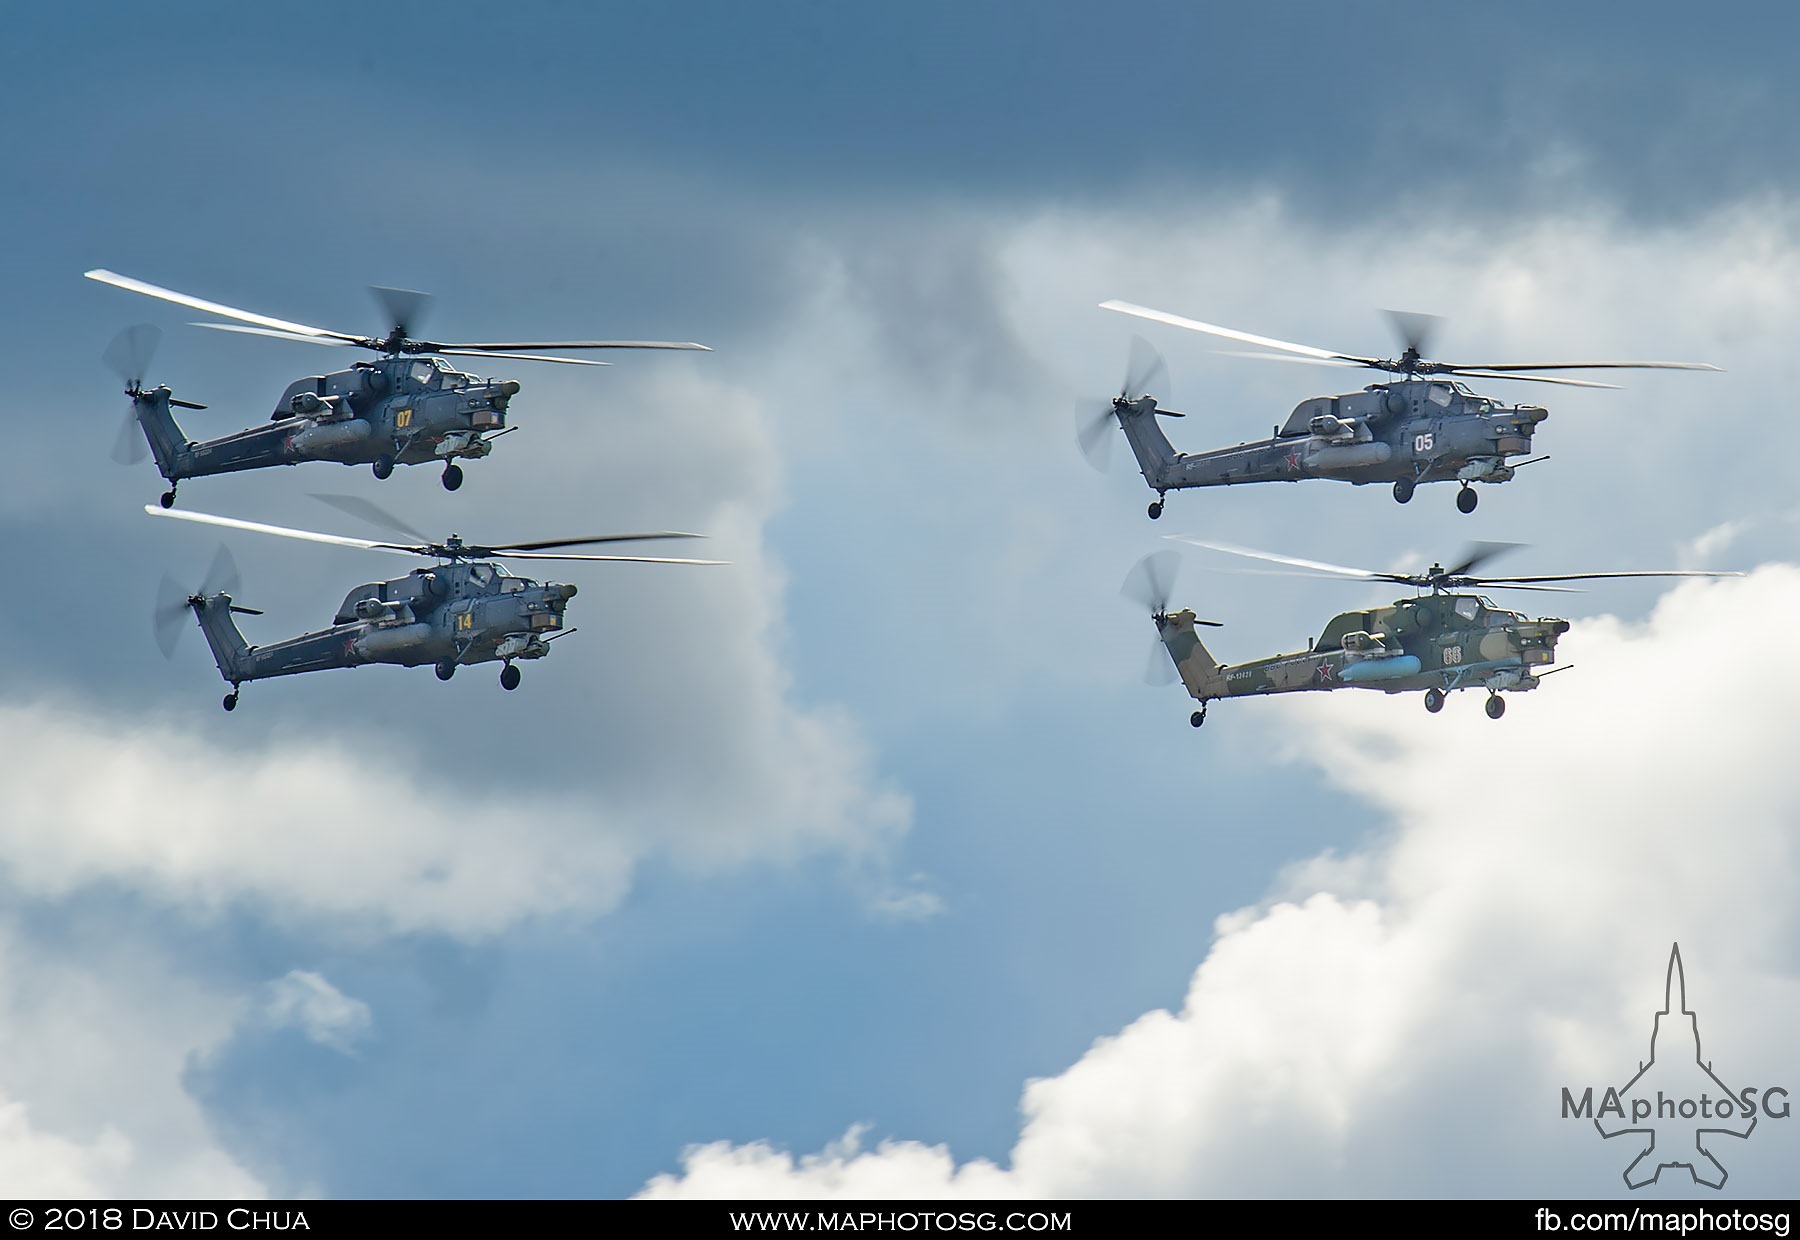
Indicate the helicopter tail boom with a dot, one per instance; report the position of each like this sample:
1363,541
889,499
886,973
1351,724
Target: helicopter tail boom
1155,454
1199,671
229,649
167,442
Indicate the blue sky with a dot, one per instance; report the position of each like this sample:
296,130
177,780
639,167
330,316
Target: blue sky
879,824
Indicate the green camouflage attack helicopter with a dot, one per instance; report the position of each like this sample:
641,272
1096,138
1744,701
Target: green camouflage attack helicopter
1421,426
1443,640
403,408
464,609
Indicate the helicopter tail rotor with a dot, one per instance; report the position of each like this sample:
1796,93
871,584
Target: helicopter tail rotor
1151,582
1144,371
129,357
174,602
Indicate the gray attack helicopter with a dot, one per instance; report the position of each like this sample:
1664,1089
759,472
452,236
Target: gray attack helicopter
407,407
1424,426
1446,639
463,609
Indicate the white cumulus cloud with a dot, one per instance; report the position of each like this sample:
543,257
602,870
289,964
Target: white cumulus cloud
1400,1018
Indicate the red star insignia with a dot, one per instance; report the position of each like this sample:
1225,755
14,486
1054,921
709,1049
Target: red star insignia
1293,462
1324,673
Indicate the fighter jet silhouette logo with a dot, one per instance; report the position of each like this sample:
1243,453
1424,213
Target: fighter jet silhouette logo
1686,1104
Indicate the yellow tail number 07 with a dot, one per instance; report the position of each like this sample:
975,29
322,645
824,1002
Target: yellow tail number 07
402,419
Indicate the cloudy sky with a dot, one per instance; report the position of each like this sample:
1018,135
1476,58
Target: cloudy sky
868,865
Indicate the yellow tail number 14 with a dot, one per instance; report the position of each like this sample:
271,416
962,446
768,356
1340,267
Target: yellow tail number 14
466,620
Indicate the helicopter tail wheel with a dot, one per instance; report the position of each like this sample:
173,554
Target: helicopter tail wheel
1197,718
509,678
446,668
168,498
453,477
1496,706
1434,700
384,465
1466,499
1403,490
1155,509
230,702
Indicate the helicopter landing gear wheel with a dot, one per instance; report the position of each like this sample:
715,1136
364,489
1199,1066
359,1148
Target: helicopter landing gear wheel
510,677
1403,490
384,465
1155,509
167,499
1466,499
445,669
1496,706
1197,718
230,702
452,477
1434,700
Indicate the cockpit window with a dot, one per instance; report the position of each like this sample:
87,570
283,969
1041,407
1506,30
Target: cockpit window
512,585
1467,607
481,576
424,373
1440,394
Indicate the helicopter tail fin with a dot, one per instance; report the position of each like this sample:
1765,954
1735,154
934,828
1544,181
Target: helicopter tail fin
230,651
1155,454
167,443
1199,671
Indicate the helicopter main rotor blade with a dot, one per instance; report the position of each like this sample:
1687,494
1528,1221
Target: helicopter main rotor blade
1522,378
213,307
1283,357
1518,581
567,344
373,513
620,559
404,307
546,544
1476,554
519,357
1212,329
1416,330
271,332
1336,570
282,531
1584,366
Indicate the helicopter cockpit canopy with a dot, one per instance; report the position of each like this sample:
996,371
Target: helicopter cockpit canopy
428,373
